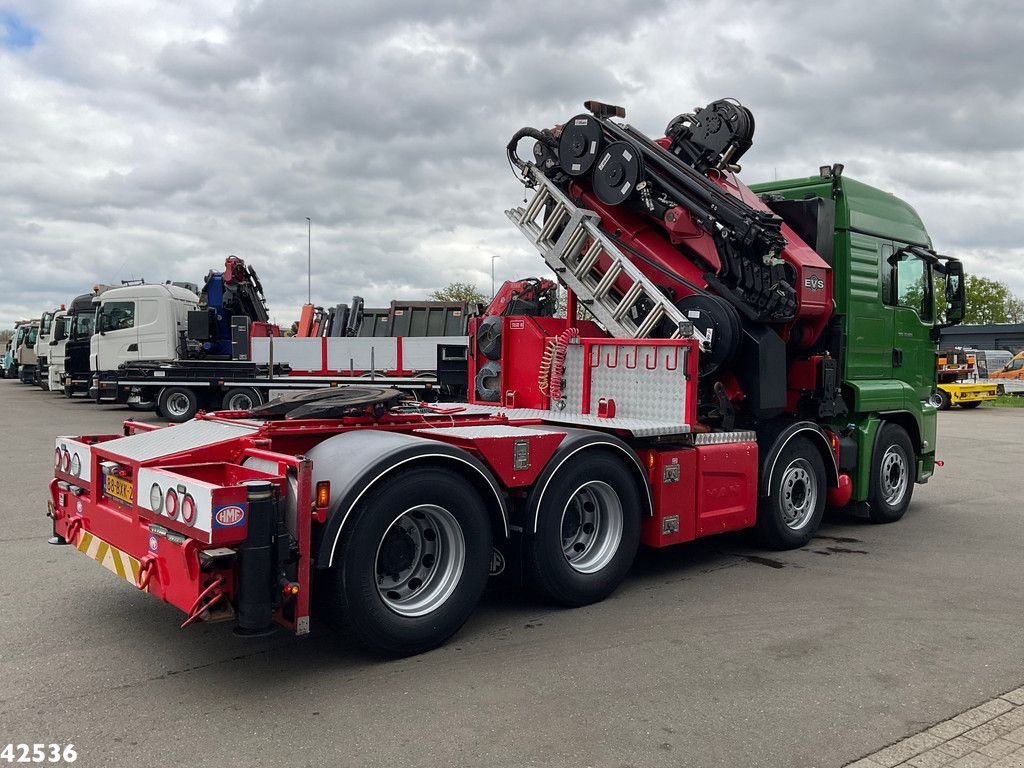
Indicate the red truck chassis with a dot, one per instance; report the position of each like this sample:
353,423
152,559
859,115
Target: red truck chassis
189,513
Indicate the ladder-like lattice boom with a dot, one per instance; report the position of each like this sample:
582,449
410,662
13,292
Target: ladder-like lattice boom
592,266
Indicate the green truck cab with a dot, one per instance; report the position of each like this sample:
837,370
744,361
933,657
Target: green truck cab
892,294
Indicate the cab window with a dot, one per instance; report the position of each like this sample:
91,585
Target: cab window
84,325
1015,365
910,284
117,315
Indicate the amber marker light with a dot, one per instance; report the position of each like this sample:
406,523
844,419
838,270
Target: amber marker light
323,494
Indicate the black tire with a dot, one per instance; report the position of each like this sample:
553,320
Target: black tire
68,390
384,620
241,399
178,404
893,474
971,405
790,514
565,561
945,403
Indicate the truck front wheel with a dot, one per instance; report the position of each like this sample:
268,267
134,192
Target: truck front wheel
790,514
414,562
178,404
893,473
588,531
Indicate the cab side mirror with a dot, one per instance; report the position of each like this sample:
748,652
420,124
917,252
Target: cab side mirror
956,300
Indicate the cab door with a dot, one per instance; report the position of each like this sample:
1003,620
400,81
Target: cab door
117,337
913,306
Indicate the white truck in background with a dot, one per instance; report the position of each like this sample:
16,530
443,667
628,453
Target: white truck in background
139,322
46,326
55,353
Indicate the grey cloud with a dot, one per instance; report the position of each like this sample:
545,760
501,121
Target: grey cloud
153,139
201,63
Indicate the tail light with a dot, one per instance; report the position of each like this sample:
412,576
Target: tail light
171,503
188,509
76,465
65,461
56,458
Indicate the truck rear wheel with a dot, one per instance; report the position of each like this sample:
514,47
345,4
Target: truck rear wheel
178,404
942,400
790,514
588,531
413,563
893,473
241,399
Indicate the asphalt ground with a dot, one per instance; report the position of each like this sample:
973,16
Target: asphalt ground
712,654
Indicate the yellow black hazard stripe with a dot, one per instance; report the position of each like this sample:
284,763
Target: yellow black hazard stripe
110,557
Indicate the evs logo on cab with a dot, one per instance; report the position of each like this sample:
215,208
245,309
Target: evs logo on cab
814,283
229,516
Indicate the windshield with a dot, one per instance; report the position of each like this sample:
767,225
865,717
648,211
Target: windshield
83,326
117,315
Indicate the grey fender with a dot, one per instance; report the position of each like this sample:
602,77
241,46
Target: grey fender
577,442
773,437
356,462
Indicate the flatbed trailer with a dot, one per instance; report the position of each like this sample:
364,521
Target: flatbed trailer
958,383
425,368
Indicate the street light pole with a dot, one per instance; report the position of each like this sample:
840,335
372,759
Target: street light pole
309,261
493,257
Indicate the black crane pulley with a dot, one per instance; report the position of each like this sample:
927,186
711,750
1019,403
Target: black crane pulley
579,144
618,171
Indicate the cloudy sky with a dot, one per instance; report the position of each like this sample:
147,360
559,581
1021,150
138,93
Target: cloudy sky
151,139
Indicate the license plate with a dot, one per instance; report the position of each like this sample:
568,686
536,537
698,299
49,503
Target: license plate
118,487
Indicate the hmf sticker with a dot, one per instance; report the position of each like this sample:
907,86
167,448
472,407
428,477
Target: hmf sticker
228,516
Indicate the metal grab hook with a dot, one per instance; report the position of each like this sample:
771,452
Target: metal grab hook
147,567
647,360
199,607
74,528
608,362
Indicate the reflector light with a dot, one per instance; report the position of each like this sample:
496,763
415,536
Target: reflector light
76,465
171,503
323,493
188,509
65,460
156,498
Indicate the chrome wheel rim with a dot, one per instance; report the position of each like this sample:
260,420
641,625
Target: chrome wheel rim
420,560
799,494
895,479
240,401
177,404
591,527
